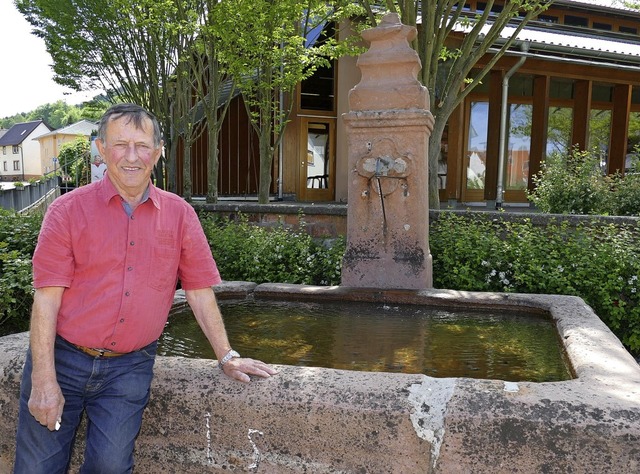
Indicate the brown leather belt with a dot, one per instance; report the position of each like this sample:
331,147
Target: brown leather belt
98,352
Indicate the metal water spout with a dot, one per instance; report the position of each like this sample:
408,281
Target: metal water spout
388,130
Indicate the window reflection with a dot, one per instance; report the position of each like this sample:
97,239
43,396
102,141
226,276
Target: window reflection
318,155
599,133
559,130
477,145
517,176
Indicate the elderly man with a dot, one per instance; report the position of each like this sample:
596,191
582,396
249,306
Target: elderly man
105,270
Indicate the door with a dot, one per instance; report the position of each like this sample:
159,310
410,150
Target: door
317,159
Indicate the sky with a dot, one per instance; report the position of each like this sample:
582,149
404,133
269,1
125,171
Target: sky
27,78
28,82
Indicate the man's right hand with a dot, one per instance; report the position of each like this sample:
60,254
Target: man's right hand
46,402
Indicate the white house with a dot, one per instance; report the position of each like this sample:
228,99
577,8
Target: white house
20,157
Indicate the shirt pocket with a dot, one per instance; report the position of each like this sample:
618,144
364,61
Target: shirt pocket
163,268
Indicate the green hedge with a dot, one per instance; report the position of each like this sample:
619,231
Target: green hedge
18,237
280,254
600,263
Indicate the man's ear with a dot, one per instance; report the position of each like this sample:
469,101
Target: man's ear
100,145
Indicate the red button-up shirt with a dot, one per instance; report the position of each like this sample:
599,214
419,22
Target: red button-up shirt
119,271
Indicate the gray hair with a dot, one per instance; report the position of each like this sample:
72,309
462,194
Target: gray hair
134,113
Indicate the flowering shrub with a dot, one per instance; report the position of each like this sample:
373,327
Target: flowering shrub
599,263
571,184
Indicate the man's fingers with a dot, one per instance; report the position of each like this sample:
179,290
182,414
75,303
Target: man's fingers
241,368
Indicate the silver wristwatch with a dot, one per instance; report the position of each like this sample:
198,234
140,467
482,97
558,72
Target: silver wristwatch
229,355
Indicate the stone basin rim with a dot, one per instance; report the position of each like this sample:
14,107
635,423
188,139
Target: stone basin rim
592,350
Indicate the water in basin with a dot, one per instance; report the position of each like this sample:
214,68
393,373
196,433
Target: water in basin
383,338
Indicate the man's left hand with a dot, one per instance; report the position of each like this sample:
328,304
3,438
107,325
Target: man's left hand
241,368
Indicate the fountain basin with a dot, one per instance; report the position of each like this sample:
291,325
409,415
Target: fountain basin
326,420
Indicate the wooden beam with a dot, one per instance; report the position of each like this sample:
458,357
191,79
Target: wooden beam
619,127
539,125
581,113
493,134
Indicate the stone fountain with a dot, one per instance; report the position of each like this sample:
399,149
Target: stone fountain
315,420
388,131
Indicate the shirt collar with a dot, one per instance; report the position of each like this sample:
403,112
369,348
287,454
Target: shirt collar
108,191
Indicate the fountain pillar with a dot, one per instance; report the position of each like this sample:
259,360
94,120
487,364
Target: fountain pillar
388,129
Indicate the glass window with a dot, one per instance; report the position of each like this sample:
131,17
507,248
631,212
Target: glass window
16,149
602,93
477,145
548,18
16,165
519,147
574,20
628,29
559,130
635,95
602,26
318,155
521,86
442,159
632,161
561,89
599,133
316,92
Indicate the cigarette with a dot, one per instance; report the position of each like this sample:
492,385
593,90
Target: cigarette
57,425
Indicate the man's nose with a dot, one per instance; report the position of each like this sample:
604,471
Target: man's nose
131,154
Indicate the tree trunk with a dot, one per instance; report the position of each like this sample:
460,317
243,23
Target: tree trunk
266,160
212,164
186,172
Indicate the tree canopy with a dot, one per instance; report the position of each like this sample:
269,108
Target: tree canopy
450,43
59,114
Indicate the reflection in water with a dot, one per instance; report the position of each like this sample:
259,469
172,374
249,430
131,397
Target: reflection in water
368,337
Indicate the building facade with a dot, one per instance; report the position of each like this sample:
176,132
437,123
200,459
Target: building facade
572,79
20,157
51,142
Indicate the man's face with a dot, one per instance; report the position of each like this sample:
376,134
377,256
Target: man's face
130,155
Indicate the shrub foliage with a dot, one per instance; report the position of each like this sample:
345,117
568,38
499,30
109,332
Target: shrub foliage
575,184
599,263
595,261
18,237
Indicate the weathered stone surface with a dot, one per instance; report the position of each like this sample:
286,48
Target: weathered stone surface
388,131
335,421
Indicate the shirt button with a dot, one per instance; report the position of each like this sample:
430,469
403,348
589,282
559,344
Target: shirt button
113,343
129,269
132,243
127,293
122,320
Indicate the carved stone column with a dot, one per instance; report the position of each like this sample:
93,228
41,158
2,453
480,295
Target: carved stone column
388,131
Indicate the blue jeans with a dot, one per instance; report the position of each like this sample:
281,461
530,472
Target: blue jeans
113,391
